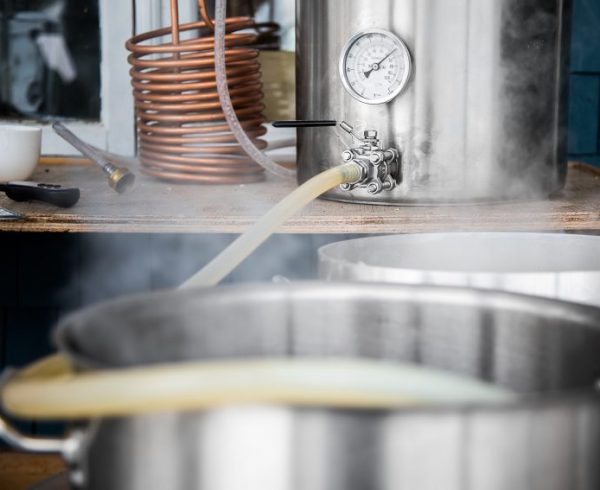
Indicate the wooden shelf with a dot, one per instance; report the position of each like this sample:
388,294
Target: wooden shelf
154,206
20,471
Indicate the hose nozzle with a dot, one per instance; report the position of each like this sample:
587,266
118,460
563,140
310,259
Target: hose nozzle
119,178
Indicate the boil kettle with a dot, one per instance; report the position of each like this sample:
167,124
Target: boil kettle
472,94
544,352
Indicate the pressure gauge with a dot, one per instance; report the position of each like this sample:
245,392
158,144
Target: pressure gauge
375,66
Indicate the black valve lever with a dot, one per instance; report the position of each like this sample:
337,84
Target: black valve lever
304,124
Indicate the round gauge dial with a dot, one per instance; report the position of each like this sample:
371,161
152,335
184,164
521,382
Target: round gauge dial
375,66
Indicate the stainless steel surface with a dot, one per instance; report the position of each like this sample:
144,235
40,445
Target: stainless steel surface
545,350
558,266
483,117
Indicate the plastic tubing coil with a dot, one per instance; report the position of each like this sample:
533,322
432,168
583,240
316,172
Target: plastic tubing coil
224,96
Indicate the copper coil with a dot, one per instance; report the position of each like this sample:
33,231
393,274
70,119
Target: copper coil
182,132
268,36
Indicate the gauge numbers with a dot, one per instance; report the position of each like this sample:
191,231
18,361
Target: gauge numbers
375,66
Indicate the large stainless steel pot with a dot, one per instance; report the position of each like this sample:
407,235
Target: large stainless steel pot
545,350
484,114
551,265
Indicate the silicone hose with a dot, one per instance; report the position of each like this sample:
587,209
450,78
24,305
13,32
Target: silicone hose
50,390
241,248
224,96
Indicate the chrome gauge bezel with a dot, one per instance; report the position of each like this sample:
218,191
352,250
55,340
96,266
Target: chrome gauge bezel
405,53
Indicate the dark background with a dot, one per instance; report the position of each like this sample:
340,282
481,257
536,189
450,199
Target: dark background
79,25
584,116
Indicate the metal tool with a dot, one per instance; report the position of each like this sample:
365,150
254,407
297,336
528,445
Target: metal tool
64,197
119,178
5,214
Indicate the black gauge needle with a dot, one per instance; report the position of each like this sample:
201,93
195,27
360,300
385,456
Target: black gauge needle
375,66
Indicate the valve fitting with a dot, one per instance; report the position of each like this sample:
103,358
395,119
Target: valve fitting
380,167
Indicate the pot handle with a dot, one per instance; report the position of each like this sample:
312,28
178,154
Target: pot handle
72,448
18,441
38,445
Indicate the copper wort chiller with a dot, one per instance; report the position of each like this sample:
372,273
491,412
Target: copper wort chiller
182,132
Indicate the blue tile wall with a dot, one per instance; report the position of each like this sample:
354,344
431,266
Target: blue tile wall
584,112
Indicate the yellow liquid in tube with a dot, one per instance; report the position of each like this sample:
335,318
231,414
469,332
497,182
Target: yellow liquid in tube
241,248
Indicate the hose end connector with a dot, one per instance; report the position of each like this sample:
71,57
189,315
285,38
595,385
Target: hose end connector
356,173
119,178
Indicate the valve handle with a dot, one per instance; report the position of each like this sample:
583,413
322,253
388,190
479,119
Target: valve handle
323,124
319,124
304,124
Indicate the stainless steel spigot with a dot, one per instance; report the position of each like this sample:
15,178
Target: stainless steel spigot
119,178
381,167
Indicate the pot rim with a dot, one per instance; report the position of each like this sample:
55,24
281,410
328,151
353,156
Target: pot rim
331,254
586,315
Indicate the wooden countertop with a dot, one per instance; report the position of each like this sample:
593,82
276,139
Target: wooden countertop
154,206
20,471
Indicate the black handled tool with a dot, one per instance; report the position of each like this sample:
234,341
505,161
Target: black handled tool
64,197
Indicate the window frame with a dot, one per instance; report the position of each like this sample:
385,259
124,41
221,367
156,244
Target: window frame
115,131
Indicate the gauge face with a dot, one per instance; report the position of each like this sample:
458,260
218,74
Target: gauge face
375,66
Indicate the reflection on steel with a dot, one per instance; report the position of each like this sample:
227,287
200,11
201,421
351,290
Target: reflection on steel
183,135
559,266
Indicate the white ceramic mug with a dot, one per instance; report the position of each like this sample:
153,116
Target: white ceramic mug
20,147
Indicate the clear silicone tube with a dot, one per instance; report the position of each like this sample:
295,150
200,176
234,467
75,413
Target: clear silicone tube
50,390
286,143
241,248
223,88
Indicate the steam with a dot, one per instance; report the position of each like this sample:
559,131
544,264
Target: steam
119,265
